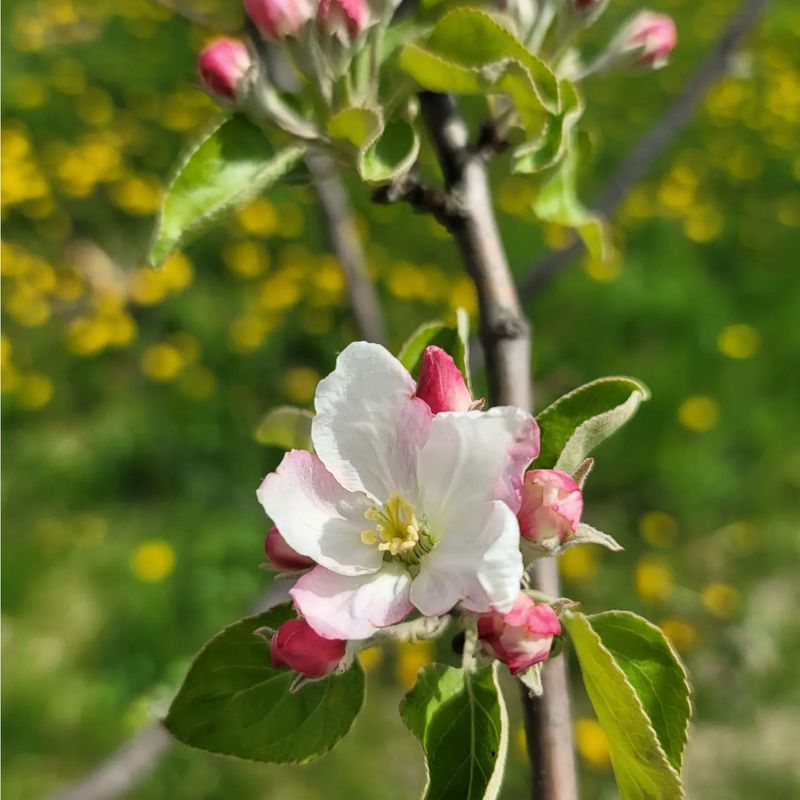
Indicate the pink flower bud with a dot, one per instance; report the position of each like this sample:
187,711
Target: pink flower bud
552,503
344,19
651,37
441,384
523,636
278,19
297,646
222,65
281,555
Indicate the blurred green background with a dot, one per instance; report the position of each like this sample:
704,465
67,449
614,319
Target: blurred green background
131,397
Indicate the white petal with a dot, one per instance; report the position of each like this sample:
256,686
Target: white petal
369,426
472,457
479,564
345,607
316,516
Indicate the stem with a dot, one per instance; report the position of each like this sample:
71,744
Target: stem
505,337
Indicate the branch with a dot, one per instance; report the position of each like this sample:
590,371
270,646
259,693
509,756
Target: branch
139,755
506,342
652,144
344,241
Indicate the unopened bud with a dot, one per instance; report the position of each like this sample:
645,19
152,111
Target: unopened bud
441,384
552,504
648,38
521,637
281,555
277,19
344,19
222,65
297,646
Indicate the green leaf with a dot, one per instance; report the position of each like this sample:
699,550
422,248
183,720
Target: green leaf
469,52
228,167
391,154
359,126
645,656
235,703
287,427
642,768
557,201
576,423
550,148
461,722
453,339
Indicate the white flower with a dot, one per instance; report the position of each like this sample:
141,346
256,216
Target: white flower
400,509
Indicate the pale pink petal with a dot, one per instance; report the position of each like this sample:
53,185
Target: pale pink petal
473,457
369,426
441,384
479,564
345,607
316,516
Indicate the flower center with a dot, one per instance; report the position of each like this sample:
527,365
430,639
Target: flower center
397,532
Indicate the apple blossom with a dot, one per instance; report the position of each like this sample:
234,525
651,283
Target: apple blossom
441,384
222,65
400,508
648,37
552,503
344,19
297,646
522,636
278,19
281,556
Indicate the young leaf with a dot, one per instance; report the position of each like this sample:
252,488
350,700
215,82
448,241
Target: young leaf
557,201
576,423
359,126
390,154
287,427
228,167
235,702
461,722
641,766
645,656
452,339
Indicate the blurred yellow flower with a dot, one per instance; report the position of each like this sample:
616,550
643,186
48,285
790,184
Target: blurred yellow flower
246,259
278,292
703,224
698,413
300,383
87,336
658,529
739,341
721,600
147,287
33,391
592,743
370,658
162,362
258,218
247,332
653,579
153,560
27,306
410,660
681,633
137,194
578,563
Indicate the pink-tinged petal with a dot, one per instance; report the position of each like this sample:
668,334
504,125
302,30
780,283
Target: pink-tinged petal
473,457
298,646
222,64
281,556
316,516
278,19
345,607
369,426
551,508
343,18
479,564
441,384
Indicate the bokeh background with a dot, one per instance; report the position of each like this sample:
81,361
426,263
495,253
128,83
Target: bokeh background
131,398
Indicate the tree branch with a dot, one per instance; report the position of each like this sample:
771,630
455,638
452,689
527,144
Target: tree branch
651,145
505,337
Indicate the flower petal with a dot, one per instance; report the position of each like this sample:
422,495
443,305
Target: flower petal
473,457
369,426
316,516
346,607
479,565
